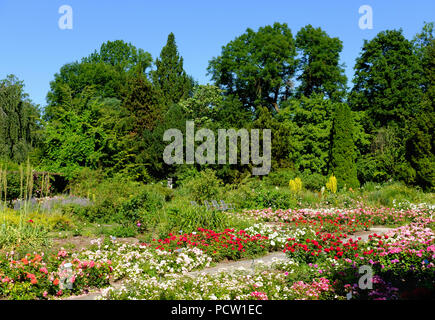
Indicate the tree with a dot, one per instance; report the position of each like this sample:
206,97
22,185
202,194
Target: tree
19,121
143,102
343,148
170,76
257,66
421,135
92,137
153,145
420,150
309,122
106,71
203,106
280,137
146,110
209,107
124,56
422,45
319,64
386,82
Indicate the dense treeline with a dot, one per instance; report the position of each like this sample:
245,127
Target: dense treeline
109,111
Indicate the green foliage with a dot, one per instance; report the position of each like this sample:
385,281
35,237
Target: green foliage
421,136
121,55
343,148
273,198
24,238
420,150
423,47
257,66
206,186
170,76
280,177
85,138
152,147
204,105
281,138
391,194
105,71
107,197
386,82
321,72
139,208
186,218
19,121
310,123
313,181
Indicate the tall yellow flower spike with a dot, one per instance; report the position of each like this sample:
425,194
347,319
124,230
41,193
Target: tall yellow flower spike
331,185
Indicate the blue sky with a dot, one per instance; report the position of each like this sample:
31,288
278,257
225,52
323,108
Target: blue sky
34,48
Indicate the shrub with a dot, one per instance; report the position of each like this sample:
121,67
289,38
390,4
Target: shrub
107,197
313,181
120,231
206,186
183,216
280,177
138,207
274,198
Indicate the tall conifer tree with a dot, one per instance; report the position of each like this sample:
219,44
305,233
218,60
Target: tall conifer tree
170,76
343,148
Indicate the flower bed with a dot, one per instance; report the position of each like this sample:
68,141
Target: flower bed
134,260
402,260
351,219
230,244
41,277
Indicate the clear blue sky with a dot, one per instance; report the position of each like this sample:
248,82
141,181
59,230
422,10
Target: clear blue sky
34,48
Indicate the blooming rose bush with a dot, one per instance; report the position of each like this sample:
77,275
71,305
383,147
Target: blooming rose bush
402,260
230,243
40,277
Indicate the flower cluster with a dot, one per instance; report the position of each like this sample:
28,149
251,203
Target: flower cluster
311,291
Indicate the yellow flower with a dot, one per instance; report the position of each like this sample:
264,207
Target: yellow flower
331,185
295,185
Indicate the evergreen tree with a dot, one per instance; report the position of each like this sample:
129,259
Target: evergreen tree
309,124
343,148
170,76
